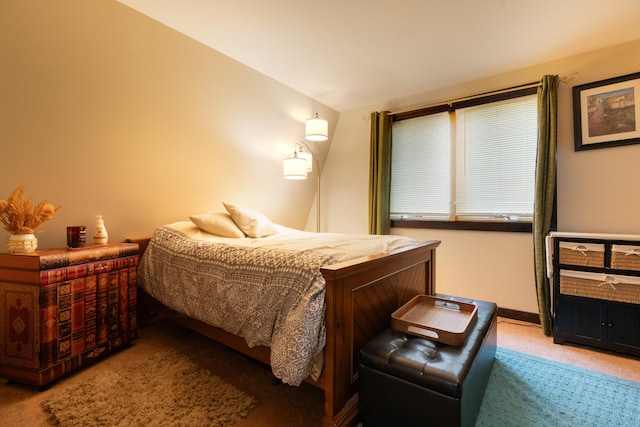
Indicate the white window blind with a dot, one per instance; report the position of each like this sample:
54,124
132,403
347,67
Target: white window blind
495,159
420,172
476,163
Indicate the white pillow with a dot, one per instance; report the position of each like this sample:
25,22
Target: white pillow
218,223
252,222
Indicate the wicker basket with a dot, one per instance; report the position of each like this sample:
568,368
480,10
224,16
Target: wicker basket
600,286
625,257
582,254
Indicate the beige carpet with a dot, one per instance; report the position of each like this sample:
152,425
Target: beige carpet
165,389
278,405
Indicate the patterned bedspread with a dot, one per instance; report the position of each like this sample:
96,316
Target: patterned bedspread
259,289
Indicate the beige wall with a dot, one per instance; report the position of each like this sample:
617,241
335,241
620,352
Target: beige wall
597,189
105,111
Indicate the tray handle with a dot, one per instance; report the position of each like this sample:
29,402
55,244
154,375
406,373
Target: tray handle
447,304
423,332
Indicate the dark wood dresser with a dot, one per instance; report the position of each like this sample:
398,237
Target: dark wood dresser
61,309
597,291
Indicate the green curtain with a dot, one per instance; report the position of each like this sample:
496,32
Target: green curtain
380,180
380,173
545,191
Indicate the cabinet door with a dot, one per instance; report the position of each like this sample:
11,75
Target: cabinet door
580,320
624,327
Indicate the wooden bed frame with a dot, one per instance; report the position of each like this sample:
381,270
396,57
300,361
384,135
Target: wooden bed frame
361,294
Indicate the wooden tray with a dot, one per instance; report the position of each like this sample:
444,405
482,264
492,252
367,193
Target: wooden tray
439,319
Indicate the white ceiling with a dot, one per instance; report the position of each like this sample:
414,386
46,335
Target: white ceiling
350,54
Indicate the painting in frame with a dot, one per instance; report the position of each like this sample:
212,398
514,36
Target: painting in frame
605,113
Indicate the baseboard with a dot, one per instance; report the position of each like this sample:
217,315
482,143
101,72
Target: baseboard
519,315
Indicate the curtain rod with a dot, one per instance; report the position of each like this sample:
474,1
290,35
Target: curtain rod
563,79
467,98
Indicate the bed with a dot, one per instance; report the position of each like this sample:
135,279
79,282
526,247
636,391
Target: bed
338,292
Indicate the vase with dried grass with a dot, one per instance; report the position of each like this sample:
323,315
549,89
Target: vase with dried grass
22,219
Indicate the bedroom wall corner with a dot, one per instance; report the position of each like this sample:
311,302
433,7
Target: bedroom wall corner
595,187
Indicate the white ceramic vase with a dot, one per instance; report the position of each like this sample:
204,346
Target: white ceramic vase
22,243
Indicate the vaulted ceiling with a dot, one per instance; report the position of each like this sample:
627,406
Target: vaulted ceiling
350,54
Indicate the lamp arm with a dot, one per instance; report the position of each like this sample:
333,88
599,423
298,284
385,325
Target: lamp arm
305,145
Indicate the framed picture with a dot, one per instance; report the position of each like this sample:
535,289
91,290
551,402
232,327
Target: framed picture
605,113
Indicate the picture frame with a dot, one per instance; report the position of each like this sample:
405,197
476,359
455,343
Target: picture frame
605,113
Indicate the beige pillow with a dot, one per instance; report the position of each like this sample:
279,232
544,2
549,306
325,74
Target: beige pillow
252,222
218,223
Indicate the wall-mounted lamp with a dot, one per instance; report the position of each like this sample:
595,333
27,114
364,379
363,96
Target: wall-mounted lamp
298,165
316,129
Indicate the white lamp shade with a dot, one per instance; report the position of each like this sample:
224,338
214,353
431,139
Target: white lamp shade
308,157
316,129
294,168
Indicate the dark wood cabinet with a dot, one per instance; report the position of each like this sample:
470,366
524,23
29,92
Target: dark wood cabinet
61,309
596,291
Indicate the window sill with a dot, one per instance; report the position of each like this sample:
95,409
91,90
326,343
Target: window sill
517,227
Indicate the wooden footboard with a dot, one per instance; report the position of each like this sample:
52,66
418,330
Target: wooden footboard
361,294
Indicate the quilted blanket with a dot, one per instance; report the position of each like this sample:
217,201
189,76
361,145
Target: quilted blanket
261,290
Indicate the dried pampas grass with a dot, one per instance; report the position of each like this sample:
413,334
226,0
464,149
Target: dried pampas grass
20,217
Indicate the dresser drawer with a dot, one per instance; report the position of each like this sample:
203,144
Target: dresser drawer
582,254
625,257
610,287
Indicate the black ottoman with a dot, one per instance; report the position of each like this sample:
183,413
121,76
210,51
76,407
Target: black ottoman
411,381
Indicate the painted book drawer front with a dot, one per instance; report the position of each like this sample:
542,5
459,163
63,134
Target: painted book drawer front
19,326
59,313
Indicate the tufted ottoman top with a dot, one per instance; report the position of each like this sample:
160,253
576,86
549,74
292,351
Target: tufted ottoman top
436,366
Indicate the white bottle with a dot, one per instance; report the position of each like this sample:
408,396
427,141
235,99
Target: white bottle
101,236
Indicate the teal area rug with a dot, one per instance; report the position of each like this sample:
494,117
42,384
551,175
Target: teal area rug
527,391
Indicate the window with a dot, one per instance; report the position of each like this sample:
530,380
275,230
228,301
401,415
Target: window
467,165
